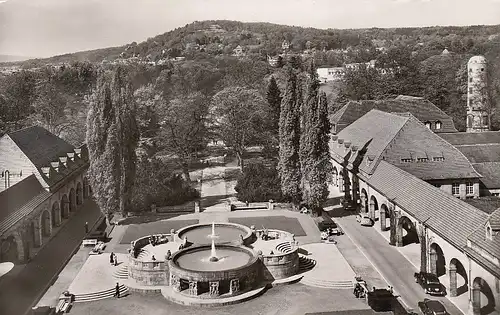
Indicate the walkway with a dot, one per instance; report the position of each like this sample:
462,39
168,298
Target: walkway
390,263
21,293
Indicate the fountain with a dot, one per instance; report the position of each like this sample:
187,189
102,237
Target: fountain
213,254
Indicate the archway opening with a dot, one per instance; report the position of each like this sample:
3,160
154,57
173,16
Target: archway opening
483,299
85,188
45,223
72,200
56,219
9,251
33,235
409,231
438,261
65,207
458,278
79,194
374,208
335,177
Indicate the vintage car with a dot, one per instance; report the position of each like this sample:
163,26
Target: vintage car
364,219
432,307
430,282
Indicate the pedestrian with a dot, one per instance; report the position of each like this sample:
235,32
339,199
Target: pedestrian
86,227
153,258
117,290
111,258
115,260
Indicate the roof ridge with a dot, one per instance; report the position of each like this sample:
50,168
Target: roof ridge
23,129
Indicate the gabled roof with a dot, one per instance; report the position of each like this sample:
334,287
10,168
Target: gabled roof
481,153
14,197
472,138
451,218
393,137
479,235
490,172
40,146
419,107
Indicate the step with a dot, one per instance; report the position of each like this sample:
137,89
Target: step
100,295
112,290
327,284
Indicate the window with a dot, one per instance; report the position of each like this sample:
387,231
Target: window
428,124
406,160
455,189
438,125
485,120
488,233
470,90
438,159
469,188
470,79
422,159
470,69
482,69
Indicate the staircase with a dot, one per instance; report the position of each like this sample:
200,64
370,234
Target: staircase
121,273
327,284
143,254
306,264
284,247
95,296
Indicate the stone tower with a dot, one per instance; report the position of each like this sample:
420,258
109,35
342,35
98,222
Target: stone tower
477,102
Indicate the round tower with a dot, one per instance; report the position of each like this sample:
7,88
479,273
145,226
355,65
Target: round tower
477,107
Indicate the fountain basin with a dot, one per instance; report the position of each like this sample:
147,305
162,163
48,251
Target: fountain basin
227,233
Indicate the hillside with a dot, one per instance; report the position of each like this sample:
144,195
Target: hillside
221,37
12,58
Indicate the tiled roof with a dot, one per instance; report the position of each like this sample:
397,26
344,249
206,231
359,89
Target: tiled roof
40,146
481,152
15,197
419,107
479,235
468,138
449,217
490,173
393,137
487,204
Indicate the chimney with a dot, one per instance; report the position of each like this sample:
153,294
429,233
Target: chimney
55,166
78,152
64,160
46,171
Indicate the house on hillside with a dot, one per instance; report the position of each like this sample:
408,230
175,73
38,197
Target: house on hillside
238,51
329,74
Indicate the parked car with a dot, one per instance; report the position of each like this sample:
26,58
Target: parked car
364,219
432,307
430,282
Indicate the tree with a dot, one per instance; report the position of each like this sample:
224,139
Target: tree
238,113
148,102
50,109
19,94
183,131
112,137
274,101
289,135
259,182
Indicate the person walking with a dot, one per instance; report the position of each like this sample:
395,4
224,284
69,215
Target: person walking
86,227
115,259
117,291
111,258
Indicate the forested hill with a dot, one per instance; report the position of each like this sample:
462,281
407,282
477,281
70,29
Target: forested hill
222,36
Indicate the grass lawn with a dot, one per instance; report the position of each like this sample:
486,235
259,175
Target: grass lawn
134,232
290,225
296,299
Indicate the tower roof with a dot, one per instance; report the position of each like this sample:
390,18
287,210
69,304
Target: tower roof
477,59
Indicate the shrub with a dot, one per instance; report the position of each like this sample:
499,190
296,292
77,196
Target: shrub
259,182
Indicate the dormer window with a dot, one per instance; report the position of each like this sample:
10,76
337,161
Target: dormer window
438,125
438,158
407,160
422,159
428,124
489,233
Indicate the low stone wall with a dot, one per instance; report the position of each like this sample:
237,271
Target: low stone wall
280,266
148,273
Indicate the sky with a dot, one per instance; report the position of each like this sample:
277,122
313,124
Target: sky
42,28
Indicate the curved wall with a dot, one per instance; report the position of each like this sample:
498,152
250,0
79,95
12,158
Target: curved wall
280,266
148,273
247,238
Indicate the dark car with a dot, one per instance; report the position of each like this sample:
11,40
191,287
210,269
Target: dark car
430,283
432,307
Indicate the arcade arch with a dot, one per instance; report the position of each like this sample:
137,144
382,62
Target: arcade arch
483,300
409,231
11,249
458,278
85,188
45,223
385,218
364,201
79,194
437,260
374,210
65,207
72,200
56,214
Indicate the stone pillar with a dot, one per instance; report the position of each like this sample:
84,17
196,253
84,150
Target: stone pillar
196,207
37,232
175,282
433,262
476,299
234,286
214,288
453,280
271,205
153,208
372,210
58,217
383,226
399,229
193,287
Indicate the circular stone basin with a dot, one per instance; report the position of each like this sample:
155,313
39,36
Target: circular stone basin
198,259
200,234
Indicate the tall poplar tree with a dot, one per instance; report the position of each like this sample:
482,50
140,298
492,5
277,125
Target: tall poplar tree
274,101
112,136
289,136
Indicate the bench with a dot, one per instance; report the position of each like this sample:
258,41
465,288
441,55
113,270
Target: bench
98,249
62,306
89,242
